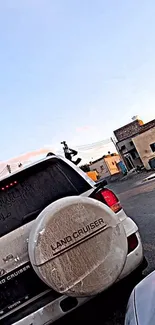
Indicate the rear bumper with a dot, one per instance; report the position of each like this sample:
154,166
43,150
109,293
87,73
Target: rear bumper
134,260
53,311
50,312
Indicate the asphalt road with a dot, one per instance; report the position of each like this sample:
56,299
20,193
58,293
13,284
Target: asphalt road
138,200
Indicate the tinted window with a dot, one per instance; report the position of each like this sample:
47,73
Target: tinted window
33,189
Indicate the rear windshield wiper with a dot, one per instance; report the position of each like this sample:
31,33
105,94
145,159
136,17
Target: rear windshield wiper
31,216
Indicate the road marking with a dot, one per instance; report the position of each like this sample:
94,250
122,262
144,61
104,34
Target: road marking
152,176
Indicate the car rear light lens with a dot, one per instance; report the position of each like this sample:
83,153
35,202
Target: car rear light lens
132,243
108,197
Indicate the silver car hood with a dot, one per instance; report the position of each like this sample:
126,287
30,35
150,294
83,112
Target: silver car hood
141,305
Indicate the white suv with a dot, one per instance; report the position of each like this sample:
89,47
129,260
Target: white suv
27,295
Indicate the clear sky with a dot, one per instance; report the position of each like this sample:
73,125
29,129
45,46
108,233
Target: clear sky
73,70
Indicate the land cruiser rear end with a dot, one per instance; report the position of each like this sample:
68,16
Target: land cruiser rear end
24,298
23,195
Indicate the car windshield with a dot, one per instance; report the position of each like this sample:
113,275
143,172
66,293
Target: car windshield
32,189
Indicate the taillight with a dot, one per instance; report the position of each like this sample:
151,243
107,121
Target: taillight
108,197
132,243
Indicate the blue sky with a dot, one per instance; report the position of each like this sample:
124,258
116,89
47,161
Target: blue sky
73,70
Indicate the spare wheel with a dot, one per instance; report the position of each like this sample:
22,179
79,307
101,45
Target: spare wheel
78,246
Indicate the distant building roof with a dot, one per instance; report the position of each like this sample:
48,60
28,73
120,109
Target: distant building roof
147,126
128,130
101,158
131,129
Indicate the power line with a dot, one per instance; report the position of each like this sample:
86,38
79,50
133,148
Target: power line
94,144
3,170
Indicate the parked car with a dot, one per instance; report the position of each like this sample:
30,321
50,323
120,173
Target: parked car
35,287
141,309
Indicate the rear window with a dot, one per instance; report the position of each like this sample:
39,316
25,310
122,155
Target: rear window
24,195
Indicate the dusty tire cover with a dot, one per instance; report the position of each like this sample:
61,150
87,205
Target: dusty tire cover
78,246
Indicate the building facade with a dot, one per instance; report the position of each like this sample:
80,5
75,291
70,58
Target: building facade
145,146
126,145
106,166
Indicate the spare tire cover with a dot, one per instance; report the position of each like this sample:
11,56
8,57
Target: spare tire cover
78,246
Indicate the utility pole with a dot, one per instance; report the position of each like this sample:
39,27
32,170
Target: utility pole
117,148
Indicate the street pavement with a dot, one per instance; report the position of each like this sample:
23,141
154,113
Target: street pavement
138,200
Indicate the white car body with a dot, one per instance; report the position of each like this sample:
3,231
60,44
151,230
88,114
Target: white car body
52,311
135,258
